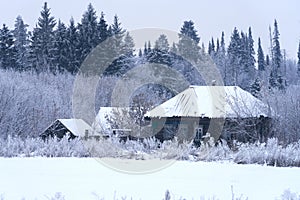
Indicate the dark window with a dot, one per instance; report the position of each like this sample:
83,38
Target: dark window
199,133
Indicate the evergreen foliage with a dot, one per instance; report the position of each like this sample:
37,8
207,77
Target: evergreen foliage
61,47
72,50
188,42
162,43
7,48
88,34
276,78
298,63
104,33
260,57
234,50
255,88
21,44
42,48
57,47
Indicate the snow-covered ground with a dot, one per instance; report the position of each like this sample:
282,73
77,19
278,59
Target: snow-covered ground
87,178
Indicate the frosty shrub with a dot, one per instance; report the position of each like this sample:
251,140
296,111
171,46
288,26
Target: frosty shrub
30,102
270,153
289,195
211,152
175,150
286,114
31,147
57,196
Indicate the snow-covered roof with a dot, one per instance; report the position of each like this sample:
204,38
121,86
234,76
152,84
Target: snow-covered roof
211,102
76,126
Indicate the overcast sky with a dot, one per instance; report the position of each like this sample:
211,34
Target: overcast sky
211,17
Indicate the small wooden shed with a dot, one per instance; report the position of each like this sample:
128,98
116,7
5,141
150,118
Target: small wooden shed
70,128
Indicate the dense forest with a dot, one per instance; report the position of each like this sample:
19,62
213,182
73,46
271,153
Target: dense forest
55,47
38,67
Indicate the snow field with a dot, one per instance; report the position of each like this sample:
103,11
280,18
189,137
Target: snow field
86,178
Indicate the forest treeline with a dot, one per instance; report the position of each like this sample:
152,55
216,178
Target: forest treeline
55,47
38,67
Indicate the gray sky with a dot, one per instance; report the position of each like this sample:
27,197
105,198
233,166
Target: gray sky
211,17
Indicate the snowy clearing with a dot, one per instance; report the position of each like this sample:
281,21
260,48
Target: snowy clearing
86,178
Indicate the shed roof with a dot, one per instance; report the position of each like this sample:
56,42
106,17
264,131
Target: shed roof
211,102
76,126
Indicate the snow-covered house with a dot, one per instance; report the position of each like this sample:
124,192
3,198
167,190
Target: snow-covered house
215,111
70,128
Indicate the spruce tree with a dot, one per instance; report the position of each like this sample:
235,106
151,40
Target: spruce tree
223,42
218,45
276,79
255,88
103,29
7,50
298,63
188,42
260,57
244,72
160,53
117,49
188,30
277,56
126,60
268,60
88,33
234,55
73,50
140,53
212,45
61,47
145,49
213,50
21,44
222,58
249,70
128,45
174,49
118,34
251,51
209,49
42,48
162,43
149,48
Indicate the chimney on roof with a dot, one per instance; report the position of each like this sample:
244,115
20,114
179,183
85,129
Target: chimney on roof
213,82
86,133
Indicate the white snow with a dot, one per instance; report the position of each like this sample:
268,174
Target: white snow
86,178
76,126
211,102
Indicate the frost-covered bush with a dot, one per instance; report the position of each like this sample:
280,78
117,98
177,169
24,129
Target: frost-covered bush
30,102
30,147
175,150
286,114
289,195
211,152
270,153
